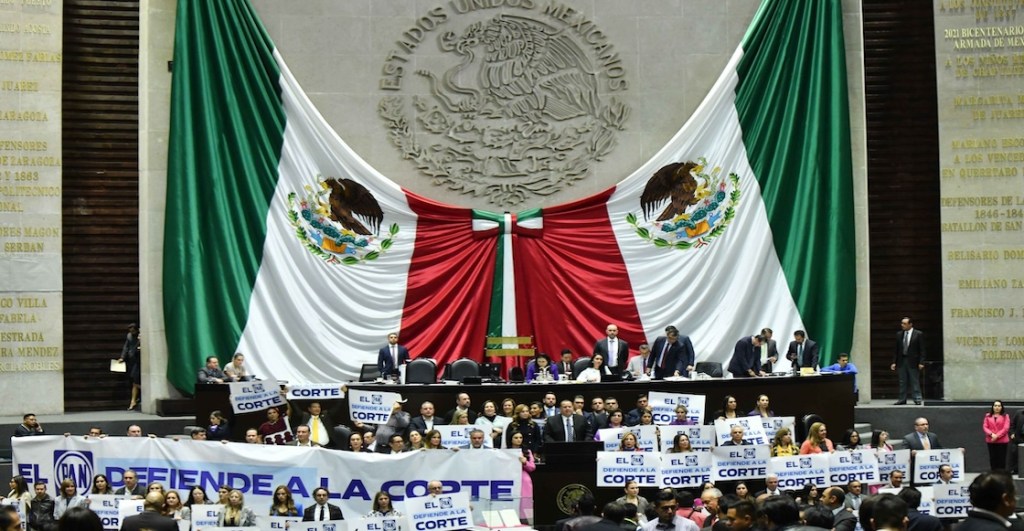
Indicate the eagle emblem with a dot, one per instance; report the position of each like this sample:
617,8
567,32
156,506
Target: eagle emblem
339,221
684,206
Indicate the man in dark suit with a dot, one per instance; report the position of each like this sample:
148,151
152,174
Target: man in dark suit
993,497
611,518
671,355
746,357
614,350
321,510
565,366
131,487
555,426
769,351
462,403
392,356
909,360
842,520
802,352
426,420
150,518
321,427
921,438
918,521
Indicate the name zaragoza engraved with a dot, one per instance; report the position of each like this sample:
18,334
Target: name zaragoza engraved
518,104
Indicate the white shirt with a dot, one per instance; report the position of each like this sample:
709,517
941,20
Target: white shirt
678,524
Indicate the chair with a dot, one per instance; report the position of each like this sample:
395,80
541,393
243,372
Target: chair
515,375
578,366
340,437
803,427
421,371
710,368
464,368
369,372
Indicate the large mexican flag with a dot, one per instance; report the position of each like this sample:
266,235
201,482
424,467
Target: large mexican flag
283,244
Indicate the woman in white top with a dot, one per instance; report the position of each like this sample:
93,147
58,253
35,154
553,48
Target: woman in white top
491,422
594,372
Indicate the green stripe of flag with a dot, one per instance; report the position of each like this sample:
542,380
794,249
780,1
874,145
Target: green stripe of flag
227,127
792,105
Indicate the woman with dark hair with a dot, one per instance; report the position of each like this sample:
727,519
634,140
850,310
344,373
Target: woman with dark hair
219,429
382,506
20,492
596,369
537,411
508,408
743,492
540,368
728,410
616,419
681,444
491,422
355,443
100,485
880,441
130,356
850,440
516,441
761,408
416,441
173,507
808,494
522,423
196,496
433,440
79,519
996,426
284,503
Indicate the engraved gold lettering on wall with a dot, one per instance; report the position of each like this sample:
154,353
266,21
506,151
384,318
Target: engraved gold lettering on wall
31,307
980,72
507,99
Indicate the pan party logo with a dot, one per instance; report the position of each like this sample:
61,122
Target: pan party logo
517,105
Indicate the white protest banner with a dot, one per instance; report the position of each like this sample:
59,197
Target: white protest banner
379,523
610,437
796,470
126,508
663,406
184,525
614,469
315,391
701,437
326,525
889,461
255,469
951,501
739,462
371,407
773,424
646,437
206,516
277,523
227,528
927,463
247,397
753,430
853,465
685,470
927,498
440,513
105,506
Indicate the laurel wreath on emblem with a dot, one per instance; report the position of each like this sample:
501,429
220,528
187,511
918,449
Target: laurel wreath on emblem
338,238
700,205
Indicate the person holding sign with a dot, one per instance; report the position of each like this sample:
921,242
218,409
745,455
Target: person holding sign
235,513
322,510
629,443
681,444
817,440
382,506
782,444
736,436
150,518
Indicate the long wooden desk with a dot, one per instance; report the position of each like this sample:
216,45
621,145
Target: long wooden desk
830,396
